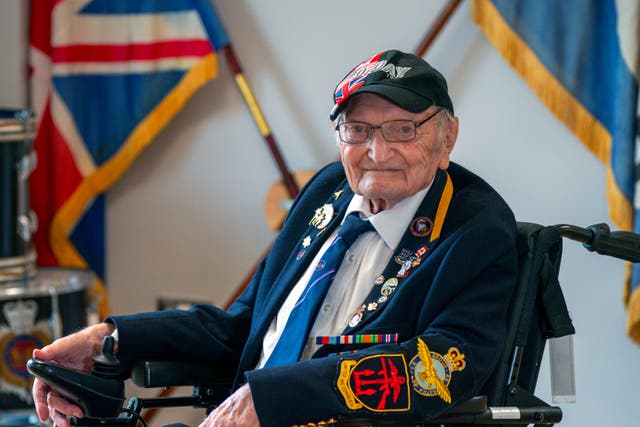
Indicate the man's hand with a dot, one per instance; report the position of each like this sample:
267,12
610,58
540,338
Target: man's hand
73,351
236,411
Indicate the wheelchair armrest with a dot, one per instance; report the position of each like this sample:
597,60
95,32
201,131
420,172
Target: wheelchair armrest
475,405
475,411
467,411
168,373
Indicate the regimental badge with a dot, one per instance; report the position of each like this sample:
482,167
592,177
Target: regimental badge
389,287
306,242
378,383
17,342
322,216
431,372
337,194
421,226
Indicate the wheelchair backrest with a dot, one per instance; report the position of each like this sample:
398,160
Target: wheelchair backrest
537,312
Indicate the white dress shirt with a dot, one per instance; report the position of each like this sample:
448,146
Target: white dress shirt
364,261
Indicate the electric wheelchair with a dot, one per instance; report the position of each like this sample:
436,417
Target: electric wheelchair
537,312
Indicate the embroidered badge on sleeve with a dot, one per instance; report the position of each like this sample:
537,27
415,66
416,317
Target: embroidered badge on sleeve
378,383
431,372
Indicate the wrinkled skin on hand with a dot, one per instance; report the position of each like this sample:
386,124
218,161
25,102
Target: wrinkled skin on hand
73,351
236,411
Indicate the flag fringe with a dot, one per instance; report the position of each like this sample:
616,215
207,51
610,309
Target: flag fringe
106,175
552,93
620,210
544,84
591,133
633,316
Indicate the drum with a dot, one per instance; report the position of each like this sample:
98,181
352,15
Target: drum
34,312
17,161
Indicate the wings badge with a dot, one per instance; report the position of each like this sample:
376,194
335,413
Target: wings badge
431,372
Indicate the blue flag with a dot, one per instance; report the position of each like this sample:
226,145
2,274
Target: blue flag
580,57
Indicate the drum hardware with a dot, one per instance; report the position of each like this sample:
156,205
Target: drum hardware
27,225
27,165
16,268
17,221
27,222
55,320
17,125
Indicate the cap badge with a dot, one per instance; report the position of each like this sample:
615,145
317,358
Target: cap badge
356,78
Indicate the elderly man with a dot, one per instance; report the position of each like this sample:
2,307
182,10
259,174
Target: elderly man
385,292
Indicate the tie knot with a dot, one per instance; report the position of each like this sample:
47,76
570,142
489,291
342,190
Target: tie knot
352,227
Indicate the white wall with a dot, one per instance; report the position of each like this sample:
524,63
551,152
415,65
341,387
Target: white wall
187,220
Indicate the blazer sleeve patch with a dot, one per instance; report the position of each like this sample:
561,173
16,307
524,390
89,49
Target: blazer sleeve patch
378,383
431,372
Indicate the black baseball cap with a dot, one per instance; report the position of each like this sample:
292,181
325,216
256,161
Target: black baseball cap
402,78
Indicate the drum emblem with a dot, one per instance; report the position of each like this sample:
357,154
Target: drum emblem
17,341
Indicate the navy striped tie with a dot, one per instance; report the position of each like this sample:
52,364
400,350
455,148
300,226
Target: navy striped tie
303,315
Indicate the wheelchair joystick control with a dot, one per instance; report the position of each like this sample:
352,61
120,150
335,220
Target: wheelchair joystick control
100,393
106,364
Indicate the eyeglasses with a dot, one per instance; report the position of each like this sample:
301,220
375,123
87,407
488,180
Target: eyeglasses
392,131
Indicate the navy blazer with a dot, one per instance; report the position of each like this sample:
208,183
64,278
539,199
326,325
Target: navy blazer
445,293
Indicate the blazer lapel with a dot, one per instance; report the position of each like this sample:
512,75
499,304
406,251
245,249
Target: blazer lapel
417,243
324,221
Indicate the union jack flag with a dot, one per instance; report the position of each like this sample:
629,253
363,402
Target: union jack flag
355,78
106,76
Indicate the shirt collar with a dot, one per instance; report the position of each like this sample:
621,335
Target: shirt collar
390,223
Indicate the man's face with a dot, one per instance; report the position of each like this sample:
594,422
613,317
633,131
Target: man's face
388,172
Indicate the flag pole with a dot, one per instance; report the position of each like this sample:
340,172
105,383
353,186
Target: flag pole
258,117
436,27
